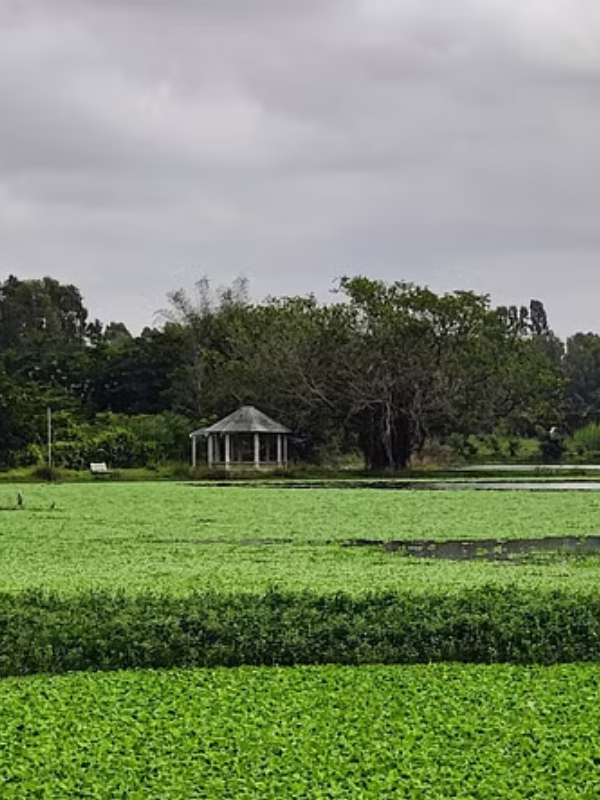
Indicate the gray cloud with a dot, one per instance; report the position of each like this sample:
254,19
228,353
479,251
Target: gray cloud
451,143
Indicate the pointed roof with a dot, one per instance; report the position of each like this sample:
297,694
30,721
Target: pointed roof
246,419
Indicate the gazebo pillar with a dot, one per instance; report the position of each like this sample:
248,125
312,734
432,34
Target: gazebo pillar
193,451
257,450
285,451
210,449
227,450
279,450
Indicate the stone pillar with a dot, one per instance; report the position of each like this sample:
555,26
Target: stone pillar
257,450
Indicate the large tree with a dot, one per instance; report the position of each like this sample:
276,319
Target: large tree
20,418
582,374
43,339
40,308
427,364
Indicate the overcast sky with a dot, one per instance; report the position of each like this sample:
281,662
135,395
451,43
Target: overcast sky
454,143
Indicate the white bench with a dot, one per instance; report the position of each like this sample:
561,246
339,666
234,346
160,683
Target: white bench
99,468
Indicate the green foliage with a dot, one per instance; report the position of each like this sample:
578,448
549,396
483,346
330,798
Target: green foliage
586,441
332,731
514,446
379,372
120,440
497,448
377,733
179,538
100,631
36,310
462,445
582,372
165,436
136,375
18,410
46,473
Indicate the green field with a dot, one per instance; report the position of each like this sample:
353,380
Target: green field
177,538
432,731
413,732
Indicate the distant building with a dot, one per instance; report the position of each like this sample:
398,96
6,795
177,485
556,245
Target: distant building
246,438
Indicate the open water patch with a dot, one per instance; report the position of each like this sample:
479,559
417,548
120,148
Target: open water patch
545,548
337,484
542,485
513,486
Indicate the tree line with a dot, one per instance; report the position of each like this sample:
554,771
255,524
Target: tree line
382,370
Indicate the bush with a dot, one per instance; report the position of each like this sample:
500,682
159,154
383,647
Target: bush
513,447
46,473
586,440
42,632
462,446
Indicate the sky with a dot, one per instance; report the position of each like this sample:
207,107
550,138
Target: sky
145,144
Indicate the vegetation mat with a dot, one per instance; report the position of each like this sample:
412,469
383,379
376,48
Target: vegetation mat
104,576
176,539
100,631
440,731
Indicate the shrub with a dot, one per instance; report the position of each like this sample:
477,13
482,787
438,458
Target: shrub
42,632
462,445
586,440
46,473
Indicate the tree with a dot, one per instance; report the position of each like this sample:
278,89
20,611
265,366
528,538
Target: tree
20,415
205,320
582,374
135,375
282,355
426,365
40,308
43,327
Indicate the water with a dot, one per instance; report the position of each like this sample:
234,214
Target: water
489,549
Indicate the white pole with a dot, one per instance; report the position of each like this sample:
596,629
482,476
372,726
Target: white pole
209,447
227,451
278,449
257,450
193,451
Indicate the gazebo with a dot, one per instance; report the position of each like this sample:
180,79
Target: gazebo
246,438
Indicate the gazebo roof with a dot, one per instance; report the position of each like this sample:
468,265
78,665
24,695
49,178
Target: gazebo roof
246,419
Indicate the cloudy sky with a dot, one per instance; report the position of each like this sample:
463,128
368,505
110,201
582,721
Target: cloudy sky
146,143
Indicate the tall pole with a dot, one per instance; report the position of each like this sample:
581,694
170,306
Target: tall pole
49,420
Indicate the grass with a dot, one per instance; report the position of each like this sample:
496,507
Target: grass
440,731
177,538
